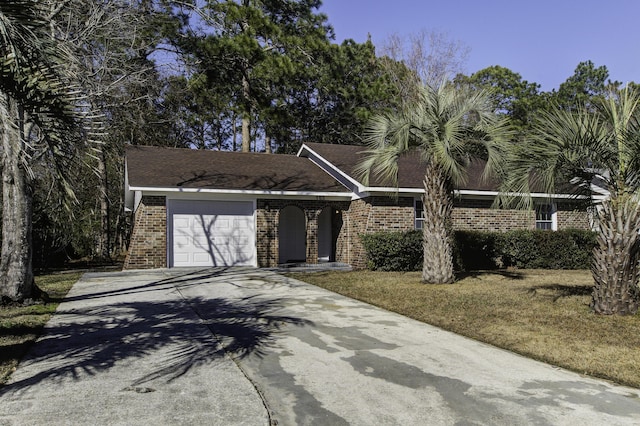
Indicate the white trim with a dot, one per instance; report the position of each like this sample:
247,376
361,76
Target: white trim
600,190
476,193
137,200
168,225
341,195
520,194
554,215
129,196
366,192
391,189
339,175
415,210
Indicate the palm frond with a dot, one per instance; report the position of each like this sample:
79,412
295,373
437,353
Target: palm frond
443,123
578,145
32,72
386,138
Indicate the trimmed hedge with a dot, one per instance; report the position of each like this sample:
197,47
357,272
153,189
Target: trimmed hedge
473,250
394,251
567,249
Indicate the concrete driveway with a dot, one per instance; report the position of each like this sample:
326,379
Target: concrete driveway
247,346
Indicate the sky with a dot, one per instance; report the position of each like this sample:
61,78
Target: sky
542,40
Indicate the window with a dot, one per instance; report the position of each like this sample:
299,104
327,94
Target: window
545,217
419,214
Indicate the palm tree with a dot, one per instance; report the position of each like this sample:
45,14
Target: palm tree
599,141
35,112
445,127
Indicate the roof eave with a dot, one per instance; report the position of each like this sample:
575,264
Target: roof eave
335,172
475,193
346,195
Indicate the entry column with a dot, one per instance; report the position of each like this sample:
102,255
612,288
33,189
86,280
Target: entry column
312,235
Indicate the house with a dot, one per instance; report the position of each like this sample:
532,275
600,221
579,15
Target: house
212,208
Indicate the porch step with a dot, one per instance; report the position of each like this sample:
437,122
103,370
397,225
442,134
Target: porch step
312,267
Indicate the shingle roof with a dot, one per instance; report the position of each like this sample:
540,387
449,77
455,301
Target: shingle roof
159,167
410,167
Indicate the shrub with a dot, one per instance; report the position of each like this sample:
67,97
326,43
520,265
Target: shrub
518,248
394,251
473,250
567,249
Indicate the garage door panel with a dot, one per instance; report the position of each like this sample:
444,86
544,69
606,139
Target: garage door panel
201,257
241,224
181,240
242,241
201,240
181,222
213,233
222,224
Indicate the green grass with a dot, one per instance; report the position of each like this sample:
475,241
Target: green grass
20,326
543,315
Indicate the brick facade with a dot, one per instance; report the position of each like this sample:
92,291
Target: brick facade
573,216
376,214
148,244
267,219
356,219
477,215
350,220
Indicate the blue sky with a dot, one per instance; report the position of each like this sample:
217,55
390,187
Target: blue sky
542,40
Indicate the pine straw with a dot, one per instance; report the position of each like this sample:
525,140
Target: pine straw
543,315
20,326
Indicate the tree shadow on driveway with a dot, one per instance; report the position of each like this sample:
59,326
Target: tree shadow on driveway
159,338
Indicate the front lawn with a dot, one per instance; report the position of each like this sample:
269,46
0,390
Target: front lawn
20,326
541,314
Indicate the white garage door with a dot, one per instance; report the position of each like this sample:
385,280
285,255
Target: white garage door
212,233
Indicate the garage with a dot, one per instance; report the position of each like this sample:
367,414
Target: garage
211,233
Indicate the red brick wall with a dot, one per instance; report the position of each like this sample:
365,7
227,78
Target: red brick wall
573,216
387,214
477,215
375,214
148,244
356,221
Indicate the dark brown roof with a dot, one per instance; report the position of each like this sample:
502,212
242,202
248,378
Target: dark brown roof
158,167
410,167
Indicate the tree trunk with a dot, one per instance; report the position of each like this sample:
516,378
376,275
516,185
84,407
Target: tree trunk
104,249
246,115
615,258
267,145
16,270
246,134
437,267
234,130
